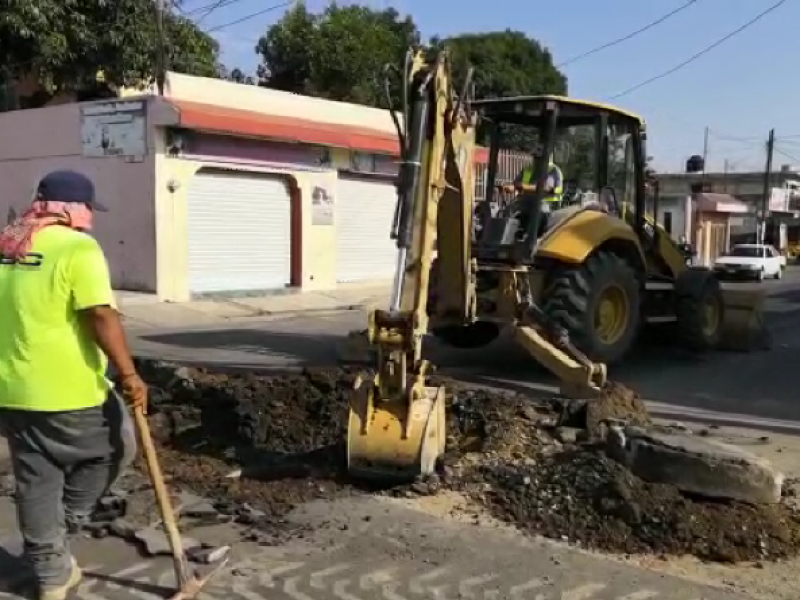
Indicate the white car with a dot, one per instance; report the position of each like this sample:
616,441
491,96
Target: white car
751,261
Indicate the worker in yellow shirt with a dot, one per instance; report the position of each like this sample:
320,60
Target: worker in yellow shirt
68,437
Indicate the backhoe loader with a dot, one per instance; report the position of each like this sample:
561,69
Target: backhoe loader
575,285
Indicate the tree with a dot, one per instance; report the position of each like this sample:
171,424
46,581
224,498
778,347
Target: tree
338,54
64,45
236,75
506,63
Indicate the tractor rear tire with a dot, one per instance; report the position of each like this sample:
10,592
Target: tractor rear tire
573,300
699,308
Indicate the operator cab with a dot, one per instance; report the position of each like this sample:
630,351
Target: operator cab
594,153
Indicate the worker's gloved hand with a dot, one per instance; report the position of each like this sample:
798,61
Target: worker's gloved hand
135,391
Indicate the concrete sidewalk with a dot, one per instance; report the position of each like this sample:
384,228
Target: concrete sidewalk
144,311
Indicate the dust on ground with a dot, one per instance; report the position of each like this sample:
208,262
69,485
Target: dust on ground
513,458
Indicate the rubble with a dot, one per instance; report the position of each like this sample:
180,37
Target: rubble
538,465
589,499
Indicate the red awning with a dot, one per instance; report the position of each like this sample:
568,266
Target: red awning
207,117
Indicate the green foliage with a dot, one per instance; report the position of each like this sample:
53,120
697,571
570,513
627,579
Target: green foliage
338,54
507,63
65,43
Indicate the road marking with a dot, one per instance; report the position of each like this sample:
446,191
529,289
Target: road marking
340,590
389,592
376,578
290,589
639,595
584,592
267,577
467,586
517,591
316,579
415,585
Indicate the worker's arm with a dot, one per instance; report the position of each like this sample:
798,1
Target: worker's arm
93,299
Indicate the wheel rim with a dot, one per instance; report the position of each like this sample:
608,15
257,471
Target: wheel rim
711,312
612,315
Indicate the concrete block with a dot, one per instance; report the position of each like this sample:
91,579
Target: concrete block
695,465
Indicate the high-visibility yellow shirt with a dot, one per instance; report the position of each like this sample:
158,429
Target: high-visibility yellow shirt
558,182
48,360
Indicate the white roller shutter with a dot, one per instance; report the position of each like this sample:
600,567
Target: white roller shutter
364,214
239,232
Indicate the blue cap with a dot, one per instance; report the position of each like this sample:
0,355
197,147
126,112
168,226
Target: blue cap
68,186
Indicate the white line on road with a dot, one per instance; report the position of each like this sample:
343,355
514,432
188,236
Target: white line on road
290,589
316,579
416,583
584,592
466,588
340,590
639,595
518,591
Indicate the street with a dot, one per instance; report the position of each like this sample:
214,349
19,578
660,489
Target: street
367,547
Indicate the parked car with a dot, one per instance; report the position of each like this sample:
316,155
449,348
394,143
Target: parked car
751,261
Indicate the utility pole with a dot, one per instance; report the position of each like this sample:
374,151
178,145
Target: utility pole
161,58
767,180
705,157
725,176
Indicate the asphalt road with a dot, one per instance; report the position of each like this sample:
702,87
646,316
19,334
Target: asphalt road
724,386
368,548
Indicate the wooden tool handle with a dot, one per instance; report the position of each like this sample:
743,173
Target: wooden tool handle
162,495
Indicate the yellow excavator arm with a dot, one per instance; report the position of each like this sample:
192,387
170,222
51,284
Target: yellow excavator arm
397,423
396,426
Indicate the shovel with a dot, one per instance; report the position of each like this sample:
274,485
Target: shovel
189,581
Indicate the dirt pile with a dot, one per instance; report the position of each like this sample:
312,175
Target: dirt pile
586,498
289,428
504,450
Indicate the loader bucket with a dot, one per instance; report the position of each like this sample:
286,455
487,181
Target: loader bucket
743,328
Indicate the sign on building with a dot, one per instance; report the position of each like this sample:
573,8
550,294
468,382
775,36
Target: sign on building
114,128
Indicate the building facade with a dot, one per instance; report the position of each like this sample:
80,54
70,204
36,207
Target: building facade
220,188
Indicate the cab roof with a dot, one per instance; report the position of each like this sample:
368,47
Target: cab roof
524,108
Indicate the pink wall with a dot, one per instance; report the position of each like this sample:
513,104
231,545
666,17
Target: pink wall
33,142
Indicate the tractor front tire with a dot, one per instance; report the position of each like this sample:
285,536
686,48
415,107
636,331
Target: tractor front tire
598,304
699,308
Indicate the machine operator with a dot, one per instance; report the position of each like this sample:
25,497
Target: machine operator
525,184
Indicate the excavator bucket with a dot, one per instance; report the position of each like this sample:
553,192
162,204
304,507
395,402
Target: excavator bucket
743,327
395,440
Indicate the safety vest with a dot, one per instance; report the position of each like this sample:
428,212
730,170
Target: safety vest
558,190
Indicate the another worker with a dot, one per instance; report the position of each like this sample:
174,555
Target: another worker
525,185
69,440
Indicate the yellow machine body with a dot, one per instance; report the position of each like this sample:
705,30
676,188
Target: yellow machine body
575,286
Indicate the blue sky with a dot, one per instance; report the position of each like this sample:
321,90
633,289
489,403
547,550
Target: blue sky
739,90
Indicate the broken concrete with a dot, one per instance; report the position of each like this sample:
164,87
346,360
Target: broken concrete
207,555
695,465
155,541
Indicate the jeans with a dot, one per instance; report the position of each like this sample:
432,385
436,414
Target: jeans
63,464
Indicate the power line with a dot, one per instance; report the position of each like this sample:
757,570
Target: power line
251,16
704,51
628,36
211,6
210,10
787,155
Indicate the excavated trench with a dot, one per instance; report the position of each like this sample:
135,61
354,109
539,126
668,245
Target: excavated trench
533,464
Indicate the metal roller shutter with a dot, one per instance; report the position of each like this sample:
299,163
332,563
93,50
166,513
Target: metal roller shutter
239,232
364,214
